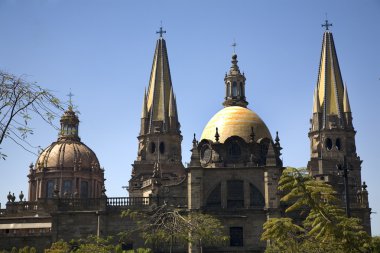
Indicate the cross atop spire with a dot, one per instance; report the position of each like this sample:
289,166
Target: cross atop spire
326,24
234,45
161,31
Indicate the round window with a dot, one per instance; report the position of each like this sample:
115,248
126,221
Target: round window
206,154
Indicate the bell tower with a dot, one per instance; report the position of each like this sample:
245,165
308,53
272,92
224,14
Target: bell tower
159,148
332,136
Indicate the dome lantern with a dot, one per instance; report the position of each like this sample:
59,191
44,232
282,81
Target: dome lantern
235,86
69,125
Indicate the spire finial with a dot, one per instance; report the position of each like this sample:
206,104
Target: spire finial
234,45
252,134
326,24
194,142
217,135
161,31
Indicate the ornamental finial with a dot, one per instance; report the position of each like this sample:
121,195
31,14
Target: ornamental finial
326,24
234,45
161,31
217,135
70,95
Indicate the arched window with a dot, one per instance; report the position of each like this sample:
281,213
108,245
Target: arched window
214,199
84,189
338,144
234,89
162,147
234,151
256,198
49,189
329,144
228,87
235,194
67,185
152,147
241,89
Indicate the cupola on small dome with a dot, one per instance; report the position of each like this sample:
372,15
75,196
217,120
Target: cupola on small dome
68,167
235,119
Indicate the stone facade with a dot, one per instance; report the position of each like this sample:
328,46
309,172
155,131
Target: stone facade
233,172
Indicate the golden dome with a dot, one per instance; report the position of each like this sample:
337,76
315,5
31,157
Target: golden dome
67,154
235,121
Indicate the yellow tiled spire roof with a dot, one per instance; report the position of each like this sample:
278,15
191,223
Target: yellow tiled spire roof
330,84
160,84
346,101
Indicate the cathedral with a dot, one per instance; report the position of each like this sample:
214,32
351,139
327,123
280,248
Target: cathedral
233,173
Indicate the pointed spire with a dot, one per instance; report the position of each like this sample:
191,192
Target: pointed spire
330,83
195,157
172,104
160,83
277,144
346,102
316,104
194,142
144,113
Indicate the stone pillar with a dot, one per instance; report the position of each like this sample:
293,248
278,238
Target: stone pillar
194,190
247,199
223,194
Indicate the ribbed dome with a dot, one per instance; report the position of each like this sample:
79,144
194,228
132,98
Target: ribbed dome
67,154
235,121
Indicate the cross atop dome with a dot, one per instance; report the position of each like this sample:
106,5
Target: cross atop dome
70,95
234,46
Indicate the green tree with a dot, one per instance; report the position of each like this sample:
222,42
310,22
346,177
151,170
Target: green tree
20,100
59,247
205,230
163,226
159,227
326,228
375,244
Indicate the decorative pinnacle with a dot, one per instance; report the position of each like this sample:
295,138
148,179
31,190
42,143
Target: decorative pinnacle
194,141
217,135
326,24
277,138
252,135
364,186
161,31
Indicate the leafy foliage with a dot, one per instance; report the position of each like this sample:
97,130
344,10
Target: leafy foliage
19,102
26,249
163,226
326,228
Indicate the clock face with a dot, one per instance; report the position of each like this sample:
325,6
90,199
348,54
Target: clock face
206,154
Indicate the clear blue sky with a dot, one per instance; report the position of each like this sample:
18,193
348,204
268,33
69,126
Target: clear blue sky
103,51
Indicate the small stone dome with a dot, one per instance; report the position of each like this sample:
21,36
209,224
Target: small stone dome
235,121
67,168
67,154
